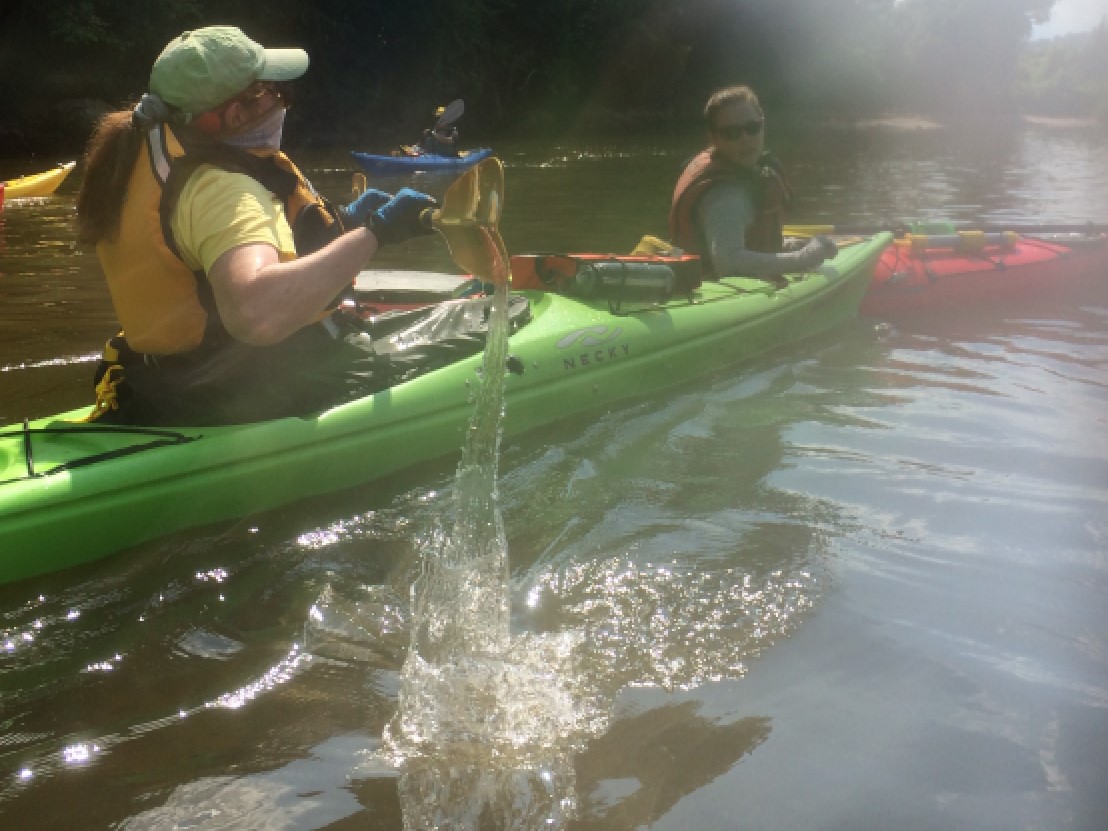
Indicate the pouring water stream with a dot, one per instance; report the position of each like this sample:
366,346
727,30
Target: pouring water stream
480,719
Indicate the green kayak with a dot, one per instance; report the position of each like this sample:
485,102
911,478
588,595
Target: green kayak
71,493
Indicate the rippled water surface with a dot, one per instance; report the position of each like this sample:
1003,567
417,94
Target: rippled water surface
858,584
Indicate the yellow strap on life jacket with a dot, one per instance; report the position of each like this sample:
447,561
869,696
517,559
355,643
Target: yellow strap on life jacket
107,395
107,388
110,355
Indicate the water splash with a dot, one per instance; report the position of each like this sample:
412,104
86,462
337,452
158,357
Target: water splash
460,602
484,725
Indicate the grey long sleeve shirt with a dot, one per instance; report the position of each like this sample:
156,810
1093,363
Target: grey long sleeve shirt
723,213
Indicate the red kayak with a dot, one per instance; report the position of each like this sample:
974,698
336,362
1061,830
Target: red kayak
920,273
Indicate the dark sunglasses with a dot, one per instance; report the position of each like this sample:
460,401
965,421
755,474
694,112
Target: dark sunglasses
730,132
261,89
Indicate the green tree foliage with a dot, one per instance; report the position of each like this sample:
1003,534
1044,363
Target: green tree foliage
1067,76
964,54
82,48
846,48
379,69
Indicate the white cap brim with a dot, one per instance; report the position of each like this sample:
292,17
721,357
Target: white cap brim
284,64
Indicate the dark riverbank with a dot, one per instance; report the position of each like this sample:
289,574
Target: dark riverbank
61,130
562,68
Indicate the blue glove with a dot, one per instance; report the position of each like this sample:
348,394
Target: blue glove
402,217
368,201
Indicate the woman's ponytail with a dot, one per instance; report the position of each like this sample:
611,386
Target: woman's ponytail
109,163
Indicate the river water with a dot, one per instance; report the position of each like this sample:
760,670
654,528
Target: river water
858,584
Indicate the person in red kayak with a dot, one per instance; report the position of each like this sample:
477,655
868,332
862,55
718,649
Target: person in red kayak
730,201
225,266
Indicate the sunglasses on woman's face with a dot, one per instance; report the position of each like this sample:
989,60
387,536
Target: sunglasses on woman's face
263,89
732,132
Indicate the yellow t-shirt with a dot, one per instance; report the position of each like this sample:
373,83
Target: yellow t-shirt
219,210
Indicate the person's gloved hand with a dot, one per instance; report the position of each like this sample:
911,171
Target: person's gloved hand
829,248
368,201
813,253
401,218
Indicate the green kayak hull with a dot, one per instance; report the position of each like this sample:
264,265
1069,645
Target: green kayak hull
71,493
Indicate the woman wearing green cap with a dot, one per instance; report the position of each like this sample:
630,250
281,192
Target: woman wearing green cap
223,263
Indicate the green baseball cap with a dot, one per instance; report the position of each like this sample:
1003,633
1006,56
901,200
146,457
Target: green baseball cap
201,69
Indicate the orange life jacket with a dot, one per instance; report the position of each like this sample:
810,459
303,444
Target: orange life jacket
164,307
767,184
